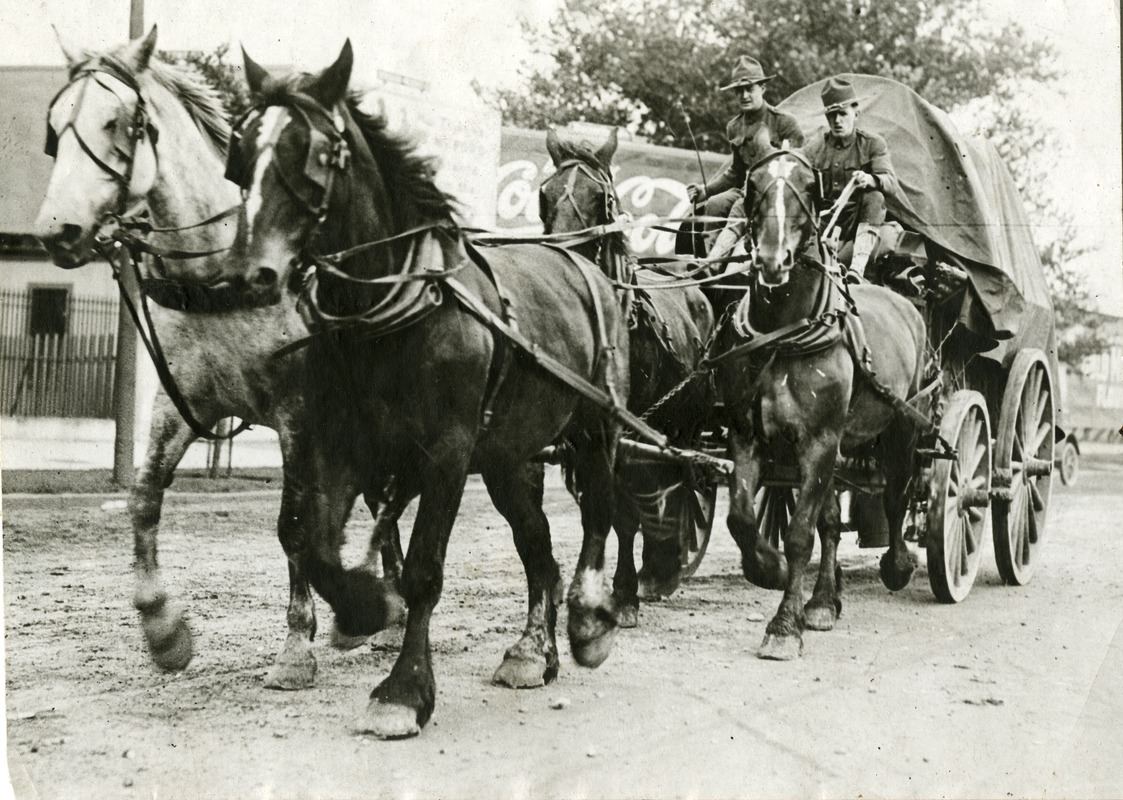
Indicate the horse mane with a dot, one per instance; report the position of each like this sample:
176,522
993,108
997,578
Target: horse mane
202,102
409,175
616,244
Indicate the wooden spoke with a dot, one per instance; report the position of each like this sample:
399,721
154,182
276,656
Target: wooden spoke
1024,450
957,492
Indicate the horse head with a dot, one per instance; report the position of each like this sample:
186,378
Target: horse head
104,146
320,176
127,132
580,194
781,216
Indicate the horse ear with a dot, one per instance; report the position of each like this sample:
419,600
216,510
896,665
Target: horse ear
256,75
607,150
74,55
139,51
553,146
329,87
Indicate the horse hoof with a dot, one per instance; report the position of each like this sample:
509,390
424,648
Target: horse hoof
651,588
345,641
895,576
521,673
781,648
627,615
819,618
592,652
169,641
389,721
291,673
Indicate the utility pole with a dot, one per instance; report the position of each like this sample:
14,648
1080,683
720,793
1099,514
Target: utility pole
124,374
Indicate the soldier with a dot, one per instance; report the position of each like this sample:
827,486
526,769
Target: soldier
844,152
748,133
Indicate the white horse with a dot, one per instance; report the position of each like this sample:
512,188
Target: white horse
129,130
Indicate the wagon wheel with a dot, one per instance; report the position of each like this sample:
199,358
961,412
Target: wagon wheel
774,506
1023,463
699,538
1070,464
958,498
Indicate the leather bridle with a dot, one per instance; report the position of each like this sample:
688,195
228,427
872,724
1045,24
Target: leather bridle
599,177
140,128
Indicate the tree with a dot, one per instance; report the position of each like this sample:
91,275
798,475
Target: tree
214,68
632,62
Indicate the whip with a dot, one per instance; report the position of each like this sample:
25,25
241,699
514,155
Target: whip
697,153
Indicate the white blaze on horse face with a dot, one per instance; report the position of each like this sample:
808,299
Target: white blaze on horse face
780,169
273,121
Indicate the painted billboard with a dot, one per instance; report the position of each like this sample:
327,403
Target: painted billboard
651,182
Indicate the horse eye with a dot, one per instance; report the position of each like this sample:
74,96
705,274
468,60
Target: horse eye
111,125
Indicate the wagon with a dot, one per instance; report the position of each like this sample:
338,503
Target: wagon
961,249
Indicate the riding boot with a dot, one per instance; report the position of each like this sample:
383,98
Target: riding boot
865,242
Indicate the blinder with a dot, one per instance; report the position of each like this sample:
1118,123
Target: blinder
325,155
140,126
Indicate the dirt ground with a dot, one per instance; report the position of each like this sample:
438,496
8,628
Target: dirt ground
1014,692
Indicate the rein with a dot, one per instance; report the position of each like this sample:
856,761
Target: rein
155,350
137,130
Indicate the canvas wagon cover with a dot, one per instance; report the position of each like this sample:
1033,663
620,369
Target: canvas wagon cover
957,192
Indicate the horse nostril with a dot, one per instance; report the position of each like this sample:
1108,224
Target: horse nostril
265,278
71,233
65,236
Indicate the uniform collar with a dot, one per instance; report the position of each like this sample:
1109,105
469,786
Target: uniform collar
841,142
753,117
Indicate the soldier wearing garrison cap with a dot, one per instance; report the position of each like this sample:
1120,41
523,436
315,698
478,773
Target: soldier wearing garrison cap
844,152
757,125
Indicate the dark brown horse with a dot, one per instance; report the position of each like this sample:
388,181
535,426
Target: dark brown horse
431,361
669,331
805,398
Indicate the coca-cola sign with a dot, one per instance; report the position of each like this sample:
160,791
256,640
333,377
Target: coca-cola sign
650,182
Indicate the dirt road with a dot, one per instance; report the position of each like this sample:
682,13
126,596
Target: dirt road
1015,692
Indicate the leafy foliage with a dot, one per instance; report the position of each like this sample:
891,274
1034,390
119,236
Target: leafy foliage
218,72
632,62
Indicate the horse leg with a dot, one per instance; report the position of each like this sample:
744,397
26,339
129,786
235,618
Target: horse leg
314,509
402,703
295,664
825,605
897,448
385,546
591,622
625,582
783,640
517,494
166,633
762,564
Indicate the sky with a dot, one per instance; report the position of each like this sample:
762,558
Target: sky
450,44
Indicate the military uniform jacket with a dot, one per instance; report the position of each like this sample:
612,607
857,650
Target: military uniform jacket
838,158
741,132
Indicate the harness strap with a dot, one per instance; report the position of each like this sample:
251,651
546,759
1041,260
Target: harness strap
603,400
501,356
156,353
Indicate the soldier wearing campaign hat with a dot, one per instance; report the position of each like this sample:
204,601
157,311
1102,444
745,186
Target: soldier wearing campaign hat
845,152
754,127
